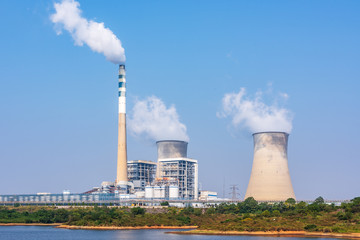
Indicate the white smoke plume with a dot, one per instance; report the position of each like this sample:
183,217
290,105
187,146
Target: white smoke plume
254,114
94,34
152,119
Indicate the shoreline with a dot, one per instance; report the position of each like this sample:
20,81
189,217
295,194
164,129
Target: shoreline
271,234
123,228
30,224
193,231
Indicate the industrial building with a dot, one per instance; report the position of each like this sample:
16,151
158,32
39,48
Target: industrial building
176,175
208,196
175,168
173,177
270,178
141,173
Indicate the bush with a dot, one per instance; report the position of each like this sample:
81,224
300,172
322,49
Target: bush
188,210
166,203
344,216
210,210
137,211
197,211
247,220
265,213
184,220
28,220
338,230
276,213
310,227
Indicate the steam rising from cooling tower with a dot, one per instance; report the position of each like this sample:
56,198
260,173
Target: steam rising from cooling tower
254,114
270,178
94,34
152,119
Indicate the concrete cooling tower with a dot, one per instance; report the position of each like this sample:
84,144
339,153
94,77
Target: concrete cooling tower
172,149
270,178
176,170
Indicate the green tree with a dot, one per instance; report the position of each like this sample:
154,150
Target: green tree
301,207
319,200
166,203
138,211
265,213
250,205
290,202
276,213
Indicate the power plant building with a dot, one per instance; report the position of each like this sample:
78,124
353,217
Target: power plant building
175,168
173,177
270,178
141,173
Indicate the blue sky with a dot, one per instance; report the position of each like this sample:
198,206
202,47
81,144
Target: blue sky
58,102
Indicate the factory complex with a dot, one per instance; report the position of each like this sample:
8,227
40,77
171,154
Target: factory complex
174,177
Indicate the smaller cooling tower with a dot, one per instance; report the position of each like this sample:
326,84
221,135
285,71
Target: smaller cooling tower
270,178
172,149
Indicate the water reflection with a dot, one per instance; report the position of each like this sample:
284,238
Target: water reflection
50,233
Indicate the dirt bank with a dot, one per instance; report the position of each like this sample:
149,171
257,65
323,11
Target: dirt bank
124,228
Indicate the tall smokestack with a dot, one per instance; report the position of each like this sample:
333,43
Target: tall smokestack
270,178
121,177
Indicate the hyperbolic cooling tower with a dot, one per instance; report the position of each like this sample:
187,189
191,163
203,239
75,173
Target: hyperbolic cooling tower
121,177
270,178
170,149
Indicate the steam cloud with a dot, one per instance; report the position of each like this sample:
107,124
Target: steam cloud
99,38
154,120
255,114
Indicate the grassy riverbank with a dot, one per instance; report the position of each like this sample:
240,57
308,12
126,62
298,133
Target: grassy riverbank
271,234
247,216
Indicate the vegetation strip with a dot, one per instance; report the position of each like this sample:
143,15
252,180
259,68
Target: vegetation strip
30,224
272,233
247,216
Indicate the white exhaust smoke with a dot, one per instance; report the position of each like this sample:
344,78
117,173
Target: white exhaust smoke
254,114
152,119
94,34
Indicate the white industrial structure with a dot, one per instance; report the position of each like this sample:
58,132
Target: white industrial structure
270,178
176,171
208,196
141,173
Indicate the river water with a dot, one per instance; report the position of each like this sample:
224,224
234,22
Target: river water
50,233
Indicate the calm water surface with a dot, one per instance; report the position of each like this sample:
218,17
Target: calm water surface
50,233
